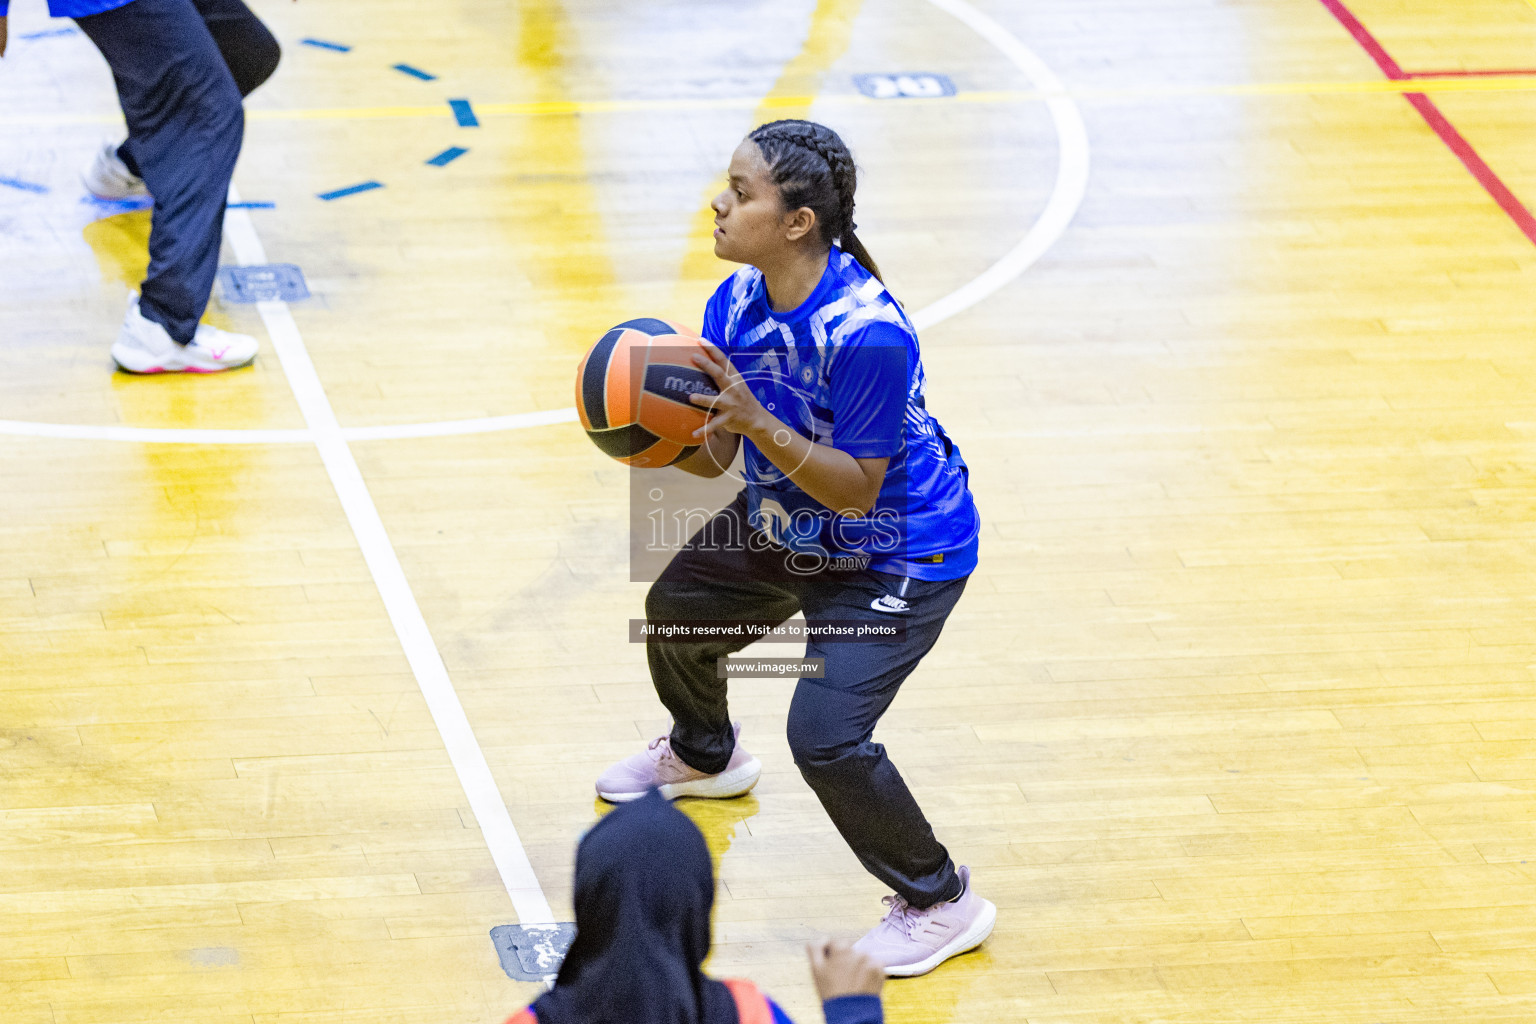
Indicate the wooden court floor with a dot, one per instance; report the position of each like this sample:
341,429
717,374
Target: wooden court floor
1234,723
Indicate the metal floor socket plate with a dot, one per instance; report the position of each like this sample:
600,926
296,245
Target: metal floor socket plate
282,281
532,952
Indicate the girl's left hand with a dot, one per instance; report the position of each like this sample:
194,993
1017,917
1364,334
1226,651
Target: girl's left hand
735,408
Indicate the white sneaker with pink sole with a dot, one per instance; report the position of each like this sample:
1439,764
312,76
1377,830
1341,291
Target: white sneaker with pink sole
143,346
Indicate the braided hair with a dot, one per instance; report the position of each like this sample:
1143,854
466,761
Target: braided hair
813,168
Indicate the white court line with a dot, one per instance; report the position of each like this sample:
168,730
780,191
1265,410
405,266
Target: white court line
410,626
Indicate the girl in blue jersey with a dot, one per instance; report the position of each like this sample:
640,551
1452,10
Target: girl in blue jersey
855,511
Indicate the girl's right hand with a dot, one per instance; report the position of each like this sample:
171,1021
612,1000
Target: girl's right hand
840,970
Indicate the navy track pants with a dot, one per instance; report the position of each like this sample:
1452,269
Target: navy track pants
182,68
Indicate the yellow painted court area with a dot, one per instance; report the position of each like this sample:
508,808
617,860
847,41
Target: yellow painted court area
1235,721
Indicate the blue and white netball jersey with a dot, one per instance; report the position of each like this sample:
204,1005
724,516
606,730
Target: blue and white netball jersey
843,368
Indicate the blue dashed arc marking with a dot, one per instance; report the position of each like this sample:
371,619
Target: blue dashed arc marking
463,113
25,186
352,190
447,156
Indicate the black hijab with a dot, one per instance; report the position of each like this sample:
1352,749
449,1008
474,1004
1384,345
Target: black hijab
644,888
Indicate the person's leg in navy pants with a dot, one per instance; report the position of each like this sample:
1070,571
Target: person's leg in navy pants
181,68
832,723
714,577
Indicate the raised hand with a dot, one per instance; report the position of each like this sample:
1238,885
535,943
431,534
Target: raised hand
840,970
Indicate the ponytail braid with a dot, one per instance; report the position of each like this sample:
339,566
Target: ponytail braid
812,167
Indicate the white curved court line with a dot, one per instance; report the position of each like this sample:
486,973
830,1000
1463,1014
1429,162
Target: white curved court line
1071,172
448,428
1066,197
152,435
187,435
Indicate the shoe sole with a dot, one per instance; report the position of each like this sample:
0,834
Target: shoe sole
966,941
127,362
736,782
114,196
125,197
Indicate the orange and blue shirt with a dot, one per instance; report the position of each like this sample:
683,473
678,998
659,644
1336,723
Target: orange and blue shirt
753,1007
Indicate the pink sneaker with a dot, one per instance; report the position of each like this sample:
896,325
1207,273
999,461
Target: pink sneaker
657,766
909,942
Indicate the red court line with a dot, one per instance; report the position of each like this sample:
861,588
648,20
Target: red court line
1437,121
1367,41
